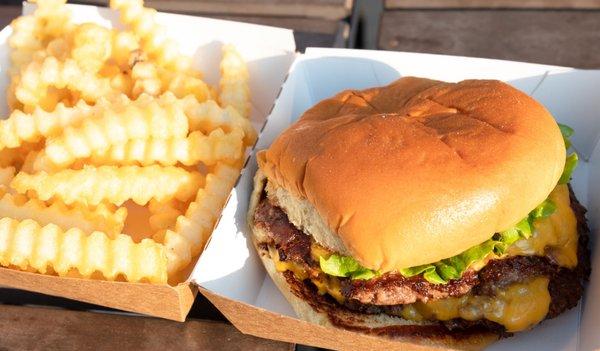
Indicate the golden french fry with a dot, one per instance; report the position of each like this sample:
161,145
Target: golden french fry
39,76
142,23
92,185
19,207
24,42
92,46
146,79
207,116
28,245
29,34
193,229
12,157
234,83
23,127
116,122
155,80
54,18
183,84
28,163
6,176
164,214
218,146
125,49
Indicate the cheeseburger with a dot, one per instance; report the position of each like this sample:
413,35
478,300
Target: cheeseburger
434,212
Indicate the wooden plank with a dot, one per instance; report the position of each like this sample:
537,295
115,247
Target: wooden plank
307,31
35,328
569,38
329,9
531,4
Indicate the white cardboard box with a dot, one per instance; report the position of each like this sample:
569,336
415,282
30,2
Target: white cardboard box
268,51
230,273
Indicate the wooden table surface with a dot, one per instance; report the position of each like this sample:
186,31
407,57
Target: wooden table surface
44,328
557,32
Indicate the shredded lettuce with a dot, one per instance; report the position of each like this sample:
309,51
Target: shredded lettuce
570,165
344,266
566,132
572,159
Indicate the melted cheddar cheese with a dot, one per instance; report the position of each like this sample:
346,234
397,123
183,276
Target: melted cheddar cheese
517,307
555,236
325,284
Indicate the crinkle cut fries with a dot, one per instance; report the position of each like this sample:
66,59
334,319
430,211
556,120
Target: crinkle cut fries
104,121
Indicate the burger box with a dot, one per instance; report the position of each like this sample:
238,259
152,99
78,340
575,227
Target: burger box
230,274
269,53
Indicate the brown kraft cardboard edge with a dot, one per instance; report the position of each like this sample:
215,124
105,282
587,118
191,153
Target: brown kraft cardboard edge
165,301
265,324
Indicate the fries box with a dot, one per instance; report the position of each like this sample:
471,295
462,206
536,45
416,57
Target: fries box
231,275
269,53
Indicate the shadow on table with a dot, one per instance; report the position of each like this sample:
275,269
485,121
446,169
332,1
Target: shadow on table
201,309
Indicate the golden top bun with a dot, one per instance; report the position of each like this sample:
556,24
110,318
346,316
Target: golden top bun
419,170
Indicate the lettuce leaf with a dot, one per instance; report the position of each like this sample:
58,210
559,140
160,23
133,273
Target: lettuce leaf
566,132
572,159
345,266
570,165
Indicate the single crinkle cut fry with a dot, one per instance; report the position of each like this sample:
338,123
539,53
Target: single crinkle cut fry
91,46
234,83
19,207
93,185
21,127
153,38
207,116
193,229
164,214
155,80
23,41
115,123
28,245
36,79
125,48
217,146
30,33
14,157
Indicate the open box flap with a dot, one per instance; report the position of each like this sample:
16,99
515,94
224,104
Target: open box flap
230,267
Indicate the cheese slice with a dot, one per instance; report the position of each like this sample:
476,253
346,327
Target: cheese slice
518,307
555,236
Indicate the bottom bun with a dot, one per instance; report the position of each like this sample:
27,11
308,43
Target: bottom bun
314,308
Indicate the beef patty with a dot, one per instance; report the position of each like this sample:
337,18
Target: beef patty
386,293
